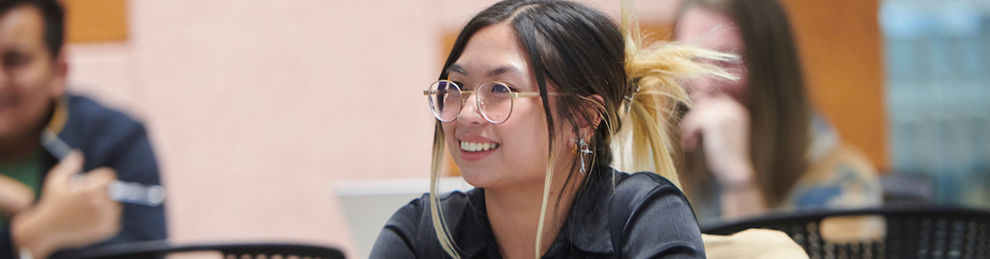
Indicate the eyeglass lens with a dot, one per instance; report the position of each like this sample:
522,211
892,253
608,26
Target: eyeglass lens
494,100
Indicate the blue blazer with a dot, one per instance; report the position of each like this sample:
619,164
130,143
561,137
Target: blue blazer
107,138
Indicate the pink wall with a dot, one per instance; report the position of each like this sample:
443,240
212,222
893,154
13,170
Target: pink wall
256,107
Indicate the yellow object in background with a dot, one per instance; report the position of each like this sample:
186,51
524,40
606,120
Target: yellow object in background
752,244
95,20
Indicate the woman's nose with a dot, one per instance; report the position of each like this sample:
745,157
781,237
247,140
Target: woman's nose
470,113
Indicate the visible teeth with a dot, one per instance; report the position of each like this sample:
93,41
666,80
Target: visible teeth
476,147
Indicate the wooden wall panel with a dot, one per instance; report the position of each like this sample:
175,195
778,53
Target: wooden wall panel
841,49
95,20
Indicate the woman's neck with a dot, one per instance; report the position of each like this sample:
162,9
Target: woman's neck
514,215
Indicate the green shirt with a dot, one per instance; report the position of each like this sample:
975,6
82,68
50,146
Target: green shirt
27,172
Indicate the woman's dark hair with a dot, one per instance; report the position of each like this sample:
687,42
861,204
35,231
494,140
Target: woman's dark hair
775,96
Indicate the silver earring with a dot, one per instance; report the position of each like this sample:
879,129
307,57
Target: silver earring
583,146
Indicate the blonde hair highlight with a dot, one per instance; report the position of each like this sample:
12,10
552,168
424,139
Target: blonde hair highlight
436,211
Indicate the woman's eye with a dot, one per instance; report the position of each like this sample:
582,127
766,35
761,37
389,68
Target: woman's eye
501,88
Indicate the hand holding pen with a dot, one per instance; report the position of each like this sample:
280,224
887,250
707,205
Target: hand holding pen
126,192
74,210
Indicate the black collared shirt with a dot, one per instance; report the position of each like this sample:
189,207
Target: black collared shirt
652,215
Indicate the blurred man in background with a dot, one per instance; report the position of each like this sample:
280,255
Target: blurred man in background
44,205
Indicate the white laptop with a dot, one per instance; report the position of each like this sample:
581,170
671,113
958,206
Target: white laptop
368,204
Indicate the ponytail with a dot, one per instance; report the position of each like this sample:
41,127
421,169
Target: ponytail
655,72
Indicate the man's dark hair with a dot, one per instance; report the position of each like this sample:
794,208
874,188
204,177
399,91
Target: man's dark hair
53,16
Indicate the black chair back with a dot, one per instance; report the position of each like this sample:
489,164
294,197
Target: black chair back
911,232
159,249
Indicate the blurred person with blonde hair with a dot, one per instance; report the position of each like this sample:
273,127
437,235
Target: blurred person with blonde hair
528,102
755,144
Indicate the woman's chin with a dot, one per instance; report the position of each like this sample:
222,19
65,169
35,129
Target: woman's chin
478,179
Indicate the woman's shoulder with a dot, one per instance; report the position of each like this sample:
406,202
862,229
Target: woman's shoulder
418,210
642,184
651,217
410,229
641,192
642,188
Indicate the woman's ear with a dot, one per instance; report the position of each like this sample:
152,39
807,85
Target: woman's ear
594,110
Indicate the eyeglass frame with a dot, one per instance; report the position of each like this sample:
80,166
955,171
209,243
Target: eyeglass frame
513,95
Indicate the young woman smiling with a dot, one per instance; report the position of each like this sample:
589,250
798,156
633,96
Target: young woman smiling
528,103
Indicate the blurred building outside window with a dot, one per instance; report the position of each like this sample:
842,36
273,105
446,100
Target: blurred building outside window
938,95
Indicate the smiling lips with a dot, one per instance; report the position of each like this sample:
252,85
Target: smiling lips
477,146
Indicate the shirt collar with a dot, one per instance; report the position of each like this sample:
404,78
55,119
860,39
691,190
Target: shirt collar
60,115
475,232
586,228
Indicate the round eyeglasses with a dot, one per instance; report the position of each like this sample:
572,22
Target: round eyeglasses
494,100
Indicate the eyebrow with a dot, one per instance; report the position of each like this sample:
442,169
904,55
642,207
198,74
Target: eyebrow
494,72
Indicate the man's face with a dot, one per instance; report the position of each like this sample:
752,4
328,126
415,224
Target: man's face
30,77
